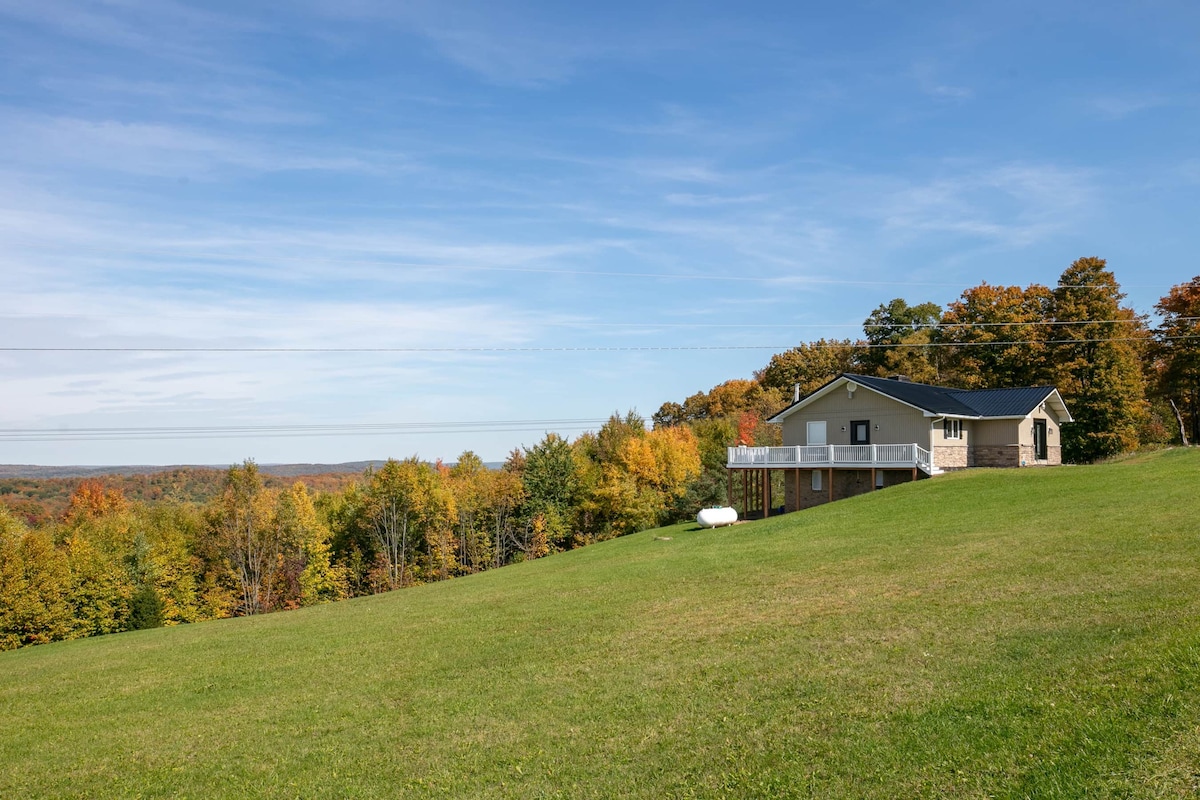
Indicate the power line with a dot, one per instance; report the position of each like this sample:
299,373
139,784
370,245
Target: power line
439,267
570,349
292,431
775,325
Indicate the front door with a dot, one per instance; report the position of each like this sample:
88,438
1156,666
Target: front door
1039,440
860,432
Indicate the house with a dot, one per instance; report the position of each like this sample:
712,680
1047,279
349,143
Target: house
859,433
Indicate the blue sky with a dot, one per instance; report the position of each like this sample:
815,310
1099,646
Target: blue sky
524,176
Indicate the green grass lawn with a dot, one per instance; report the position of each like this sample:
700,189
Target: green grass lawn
1022,633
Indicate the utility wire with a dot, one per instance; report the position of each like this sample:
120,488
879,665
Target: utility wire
608,324
291,431
167,254
574,349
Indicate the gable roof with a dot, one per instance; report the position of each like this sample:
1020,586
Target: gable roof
943,401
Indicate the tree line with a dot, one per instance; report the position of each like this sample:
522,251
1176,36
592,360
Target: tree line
108,563
1126,383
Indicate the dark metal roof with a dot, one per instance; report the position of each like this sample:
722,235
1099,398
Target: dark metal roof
936,399
1016,402
945,401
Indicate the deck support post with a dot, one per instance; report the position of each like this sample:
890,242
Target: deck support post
831,484
745,494
796,476
729,486
873,484
766,493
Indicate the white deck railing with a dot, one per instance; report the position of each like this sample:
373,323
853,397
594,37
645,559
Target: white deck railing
894,456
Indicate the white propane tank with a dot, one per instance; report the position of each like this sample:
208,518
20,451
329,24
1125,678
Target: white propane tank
716,517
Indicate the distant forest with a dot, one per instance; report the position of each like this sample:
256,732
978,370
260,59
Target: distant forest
39,501
85,557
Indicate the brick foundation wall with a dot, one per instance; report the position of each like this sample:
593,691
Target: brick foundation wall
997,455
846,483
1011,455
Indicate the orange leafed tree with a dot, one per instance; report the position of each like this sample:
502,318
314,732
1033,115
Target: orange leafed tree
91,500
747,427
1178,356
999,335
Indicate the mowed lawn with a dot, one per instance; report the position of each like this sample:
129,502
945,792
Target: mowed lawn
1031,633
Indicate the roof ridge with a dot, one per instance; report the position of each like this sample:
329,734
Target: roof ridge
1006,389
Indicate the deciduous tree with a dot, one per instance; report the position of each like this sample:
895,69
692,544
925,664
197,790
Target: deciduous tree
243,519
550,481
34,587
811,365
412,514
898,336
1097,361
996,337
1178,356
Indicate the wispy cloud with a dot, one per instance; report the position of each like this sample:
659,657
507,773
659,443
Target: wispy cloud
163,29
709,201
1013,205
1120,106
482,39
928,78
245,104
149,148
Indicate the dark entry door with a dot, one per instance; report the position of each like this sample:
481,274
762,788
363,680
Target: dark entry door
860,432
1039,440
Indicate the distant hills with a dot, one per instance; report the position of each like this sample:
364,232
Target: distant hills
280,470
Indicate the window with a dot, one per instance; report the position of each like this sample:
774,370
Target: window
952,428
860,432
816,480
878,479
816,432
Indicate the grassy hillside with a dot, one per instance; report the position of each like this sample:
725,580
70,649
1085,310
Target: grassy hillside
990,634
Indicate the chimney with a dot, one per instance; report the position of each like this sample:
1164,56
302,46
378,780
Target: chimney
796,393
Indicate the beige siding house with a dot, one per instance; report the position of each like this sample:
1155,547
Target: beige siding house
858,433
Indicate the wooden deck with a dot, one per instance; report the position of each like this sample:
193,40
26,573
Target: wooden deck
837,456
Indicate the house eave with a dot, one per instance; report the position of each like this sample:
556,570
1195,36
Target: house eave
1051,398
840,380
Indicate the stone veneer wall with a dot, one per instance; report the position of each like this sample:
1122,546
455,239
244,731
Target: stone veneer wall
952,457
1053,456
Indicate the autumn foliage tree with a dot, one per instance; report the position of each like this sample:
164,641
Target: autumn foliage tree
1177,356
995,337
1097,350
34,587
468,482
811,365
641,477
241,519
92,500
897,340
549,475
412,514
306,574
